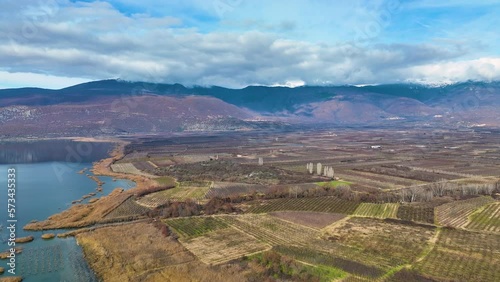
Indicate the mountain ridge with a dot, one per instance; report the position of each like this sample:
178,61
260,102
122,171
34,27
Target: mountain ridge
112,106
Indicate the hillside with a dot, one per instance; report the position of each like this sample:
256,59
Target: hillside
116,106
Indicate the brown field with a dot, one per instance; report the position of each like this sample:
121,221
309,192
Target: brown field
316,220
223,245
148,256
389,242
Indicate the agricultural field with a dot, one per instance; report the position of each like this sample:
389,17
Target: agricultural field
461,255
128,168
416,213
322,204
413,174
456,214
352,241
334,183
271,230
486,218
377,210
316,257
389,243
145,165
223,245
315,220
228,189
128,208
392,181
190,227
165,181
156,199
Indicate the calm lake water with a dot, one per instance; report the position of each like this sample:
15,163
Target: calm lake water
44,189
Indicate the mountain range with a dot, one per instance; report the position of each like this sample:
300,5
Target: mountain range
110,107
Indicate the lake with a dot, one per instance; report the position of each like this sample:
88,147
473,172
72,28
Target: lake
43,189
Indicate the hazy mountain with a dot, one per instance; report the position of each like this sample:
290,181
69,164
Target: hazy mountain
116,106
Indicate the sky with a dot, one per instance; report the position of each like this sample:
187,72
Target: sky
236,43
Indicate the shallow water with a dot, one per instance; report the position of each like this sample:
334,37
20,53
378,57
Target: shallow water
44,189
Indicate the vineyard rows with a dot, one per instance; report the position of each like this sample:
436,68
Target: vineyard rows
127,208
377,210
323,204
456,214
174,194
223,245
487,219
190,227
127,168
463,256
415,213
319,258
397,243
270,229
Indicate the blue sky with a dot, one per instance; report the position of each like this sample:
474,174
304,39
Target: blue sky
235,43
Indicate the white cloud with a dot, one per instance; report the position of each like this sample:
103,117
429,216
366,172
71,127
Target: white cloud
485,69
14,80
96,41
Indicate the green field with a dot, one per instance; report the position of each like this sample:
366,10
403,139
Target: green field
299,269
191,227
323,204
165,180
317,257
333,183
377,210
456,214
486,218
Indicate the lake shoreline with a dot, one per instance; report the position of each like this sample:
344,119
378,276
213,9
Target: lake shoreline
89,214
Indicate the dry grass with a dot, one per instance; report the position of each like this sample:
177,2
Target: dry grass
148,256
224,245
84,214
387,243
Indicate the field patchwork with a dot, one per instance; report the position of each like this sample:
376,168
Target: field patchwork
462,255
456,214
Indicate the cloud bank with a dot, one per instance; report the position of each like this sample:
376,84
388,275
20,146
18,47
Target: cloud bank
59,43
